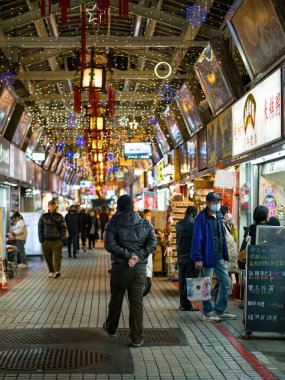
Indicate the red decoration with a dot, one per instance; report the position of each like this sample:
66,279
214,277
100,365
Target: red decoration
111,98
43,8
83,37
64,5
94,101
102,11
124,8
77,99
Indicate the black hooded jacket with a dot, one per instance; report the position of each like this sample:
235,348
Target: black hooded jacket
126,234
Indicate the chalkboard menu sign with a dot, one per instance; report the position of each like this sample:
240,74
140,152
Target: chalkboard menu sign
265,289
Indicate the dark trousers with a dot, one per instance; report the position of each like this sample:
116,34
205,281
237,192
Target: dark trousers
83,238
91,241
133,281
72,240
52,252
185,271
102,230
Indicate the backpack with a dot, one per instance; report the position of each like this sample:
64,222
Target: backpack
242,253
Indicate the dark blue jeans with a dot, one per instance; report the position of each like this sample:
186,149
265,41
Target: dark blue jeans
72,239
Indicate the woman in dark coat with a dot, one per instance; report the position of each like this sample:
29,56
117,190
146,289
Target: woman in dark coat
92,228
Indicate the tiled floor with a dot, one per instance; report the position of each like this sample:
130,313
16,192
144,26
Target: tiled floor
79,299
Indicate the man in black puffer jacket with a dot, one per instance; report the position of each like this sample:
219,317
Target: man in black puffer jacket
129,239
186,265
52,233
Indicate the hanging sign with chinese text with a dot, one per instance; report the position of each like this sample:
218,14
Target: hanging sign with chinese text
256,117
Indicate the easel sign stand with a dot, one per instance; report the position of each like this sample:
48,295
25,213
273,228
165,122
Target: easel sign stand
265,289
3,281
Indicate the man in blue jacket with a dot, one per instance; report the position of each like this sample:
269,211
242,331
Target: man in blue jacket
209,251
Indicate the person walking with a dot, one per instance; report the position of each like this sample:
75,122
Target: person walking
92,228
104,219
210,253
73,228
83,225
19,231
130,239
186,265
52,233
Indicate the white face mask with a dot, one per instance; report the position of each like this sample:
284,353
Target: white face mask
216,207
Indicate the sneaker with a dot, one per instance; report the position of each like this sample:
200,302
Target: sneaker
50,275
112,334
56,275
23,266
137,344
227,315
212,318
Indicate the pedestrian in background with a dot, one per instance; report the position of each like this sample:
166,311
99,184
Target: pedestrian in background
130,239
52,234
19,231
73,228
92,228
186,265
83,225
104,219
210,253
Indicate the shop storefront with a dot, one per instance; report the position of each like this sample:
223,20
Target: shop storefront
256,121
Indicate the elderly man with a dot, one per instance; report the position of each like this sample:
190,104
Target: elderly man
52,233
210,253
130,240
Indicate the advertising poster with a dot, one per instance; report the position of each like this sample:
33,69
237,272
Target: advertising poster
4,157
33,246
256,117
219,137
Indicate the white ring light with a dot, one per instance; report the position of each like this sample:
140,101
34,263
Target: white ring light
165,64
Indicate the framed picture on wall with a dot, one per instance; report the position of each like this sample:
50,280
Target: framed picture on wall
259,32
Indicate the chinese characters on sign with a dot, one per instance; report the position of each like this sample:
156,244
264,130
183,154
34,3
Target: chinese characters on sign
256,117
265,306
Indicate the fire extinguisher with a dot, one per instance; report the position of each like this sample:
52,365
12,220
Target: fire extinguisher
244,197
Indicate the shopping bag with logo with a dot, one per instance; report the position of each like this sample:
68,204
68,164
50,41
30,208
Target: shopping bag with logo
199,288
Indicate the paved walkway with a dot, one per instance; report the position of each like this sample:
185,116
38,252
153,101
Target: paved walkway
78,299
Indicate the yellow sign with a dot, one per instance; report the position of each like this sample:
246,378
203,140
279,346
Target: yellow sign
160,171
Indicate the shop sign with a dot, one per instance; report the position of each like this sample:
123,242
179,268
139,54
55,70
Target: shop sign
149,200
256,117
219,137
4,157
18,164
273,167
160,171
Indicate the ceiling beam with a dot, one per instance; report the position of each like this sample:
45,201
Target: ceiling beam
120,96
100,41
135,9
116,75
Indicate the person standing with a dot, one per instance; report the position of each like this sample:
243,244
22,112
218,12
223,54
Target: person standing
104,219
186,265
92,228
52,233
130,239
209,251
73,228
147,214
19,231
